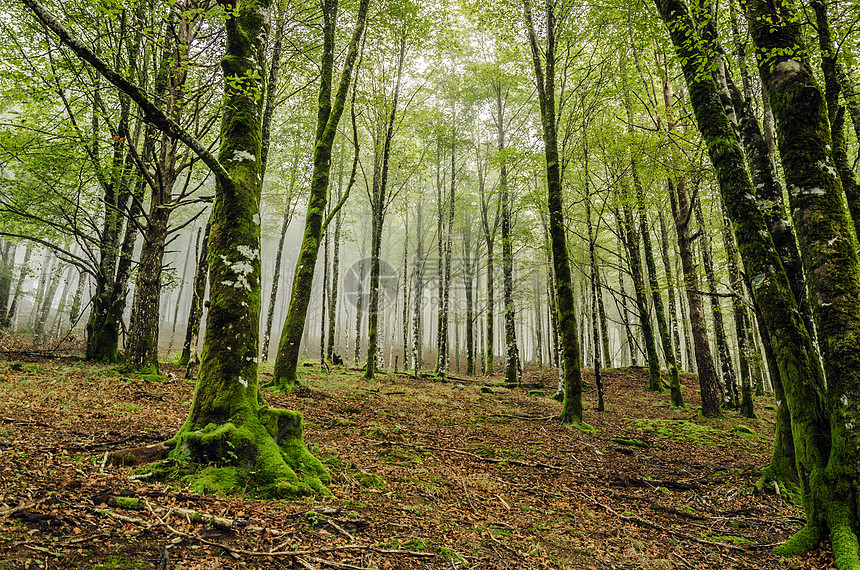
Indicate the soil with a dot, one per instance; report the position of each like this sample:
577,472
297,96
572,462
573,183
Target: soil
425,474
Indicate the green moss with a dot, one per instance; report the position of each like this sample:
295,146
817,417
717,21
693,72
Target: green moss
730,539
743,431
631,442
130,503
486,390
370,480
537,394
266,458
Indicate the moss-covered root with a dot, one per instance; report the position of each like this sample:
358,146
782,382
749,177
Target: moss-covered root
843,538
801,543
265,456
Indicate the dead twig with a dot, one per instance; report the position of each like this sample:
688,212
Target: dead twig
472,455
646,523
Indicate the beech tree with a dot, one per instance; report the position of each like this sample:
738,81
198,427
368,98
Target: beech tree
822,415
228,418
329,112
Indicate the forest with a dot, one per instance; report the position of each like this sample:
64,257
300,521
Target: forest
409,284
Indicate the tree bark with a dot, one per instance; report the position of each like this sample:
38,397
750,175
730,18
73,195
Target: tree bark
328,116
195,313
545,83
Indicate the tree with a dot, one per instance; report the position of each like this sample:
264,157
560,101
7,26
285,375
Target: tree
544,69
228,418
328,117
821,418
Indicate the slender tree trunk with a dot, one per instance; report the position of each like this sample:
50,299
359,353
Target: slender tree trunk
333,299
631,239
417,292
77,300
747,407
44,308
276,278
7,265
595,287
328,117
19,285
670,281
195,313
545,83
729,382
470,310
657,299
184,279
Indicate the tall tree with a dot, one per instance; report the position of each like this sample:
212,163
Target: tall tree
329,112
228,417
544,61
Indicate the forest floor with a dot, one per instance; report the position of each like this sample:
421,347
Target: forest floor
425,474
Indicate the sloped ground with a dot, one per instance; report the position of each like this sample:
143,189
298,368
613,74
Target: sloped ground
425,475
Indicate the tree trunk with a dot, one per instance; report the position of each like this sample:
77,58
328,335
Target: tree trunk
195,313
182,282
631,239
595,287
729,382
747,407
7,264
333,299
328,117
708,384
44,308
468,278
77,300
826,455
545,83
670,281
228,422
142,349
379,205
417,291
657,298
19,285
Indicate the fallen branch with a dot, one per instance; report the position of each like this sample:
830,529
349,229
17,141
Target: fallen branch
526,418
646,523
472,455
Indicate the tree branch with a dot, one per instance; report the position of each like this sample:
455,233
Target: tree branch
151,113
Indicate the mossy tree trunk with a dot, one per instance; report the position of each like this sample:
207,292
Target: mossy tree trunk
727,378
831,70
708,384
657,300
226,412
670,282
829,257
512,353
822,423
228,427
747,407
595,286
682,211
329,113
631,242
489,222
545,82
468,282
379,201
